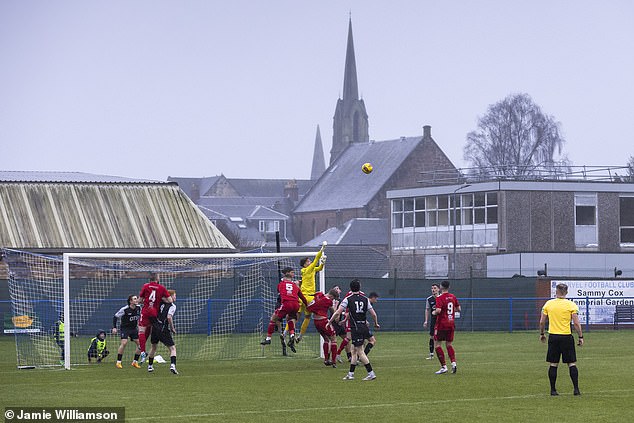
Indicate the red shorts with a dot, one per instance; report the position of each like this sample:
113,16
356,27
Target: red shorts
443,335
146,321
287,309
325,331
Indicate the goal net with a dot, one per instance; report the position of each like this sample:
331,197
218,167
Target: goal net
223,303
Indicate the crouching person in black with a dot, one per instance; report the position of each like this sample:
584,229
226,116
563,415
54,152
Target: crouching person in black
98,347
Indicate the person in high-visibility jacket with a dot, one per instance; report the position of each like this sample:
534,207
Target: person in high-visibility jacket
98,348
59,337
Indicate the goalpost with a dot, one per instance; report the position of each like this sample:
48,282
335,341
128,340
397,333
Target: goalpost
223,303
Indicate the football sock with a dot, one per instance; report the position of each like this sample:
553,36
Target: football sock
368,367
270,329
119,357
452,353
368,348
142,340
326,348
431,346
333,351
552,376
352,367
574,376
342,346
291,327
441,356
173,359
305,324
136,357
150,361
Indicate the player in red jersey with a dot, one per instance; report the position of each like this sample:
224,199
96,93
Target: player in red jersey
447,306
152,294
290,294
319,307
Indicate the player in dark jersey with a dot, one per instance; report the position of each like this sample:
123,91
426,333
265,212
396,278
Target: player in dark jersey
151,296
447,306
290,293
430,319
162,330
358,305
129,316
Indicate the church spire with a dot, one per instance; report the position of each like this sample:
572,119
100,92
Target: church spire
350,85
350,123
319,164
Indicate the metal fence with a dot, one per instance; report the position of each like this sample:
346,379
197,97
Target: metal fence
395,314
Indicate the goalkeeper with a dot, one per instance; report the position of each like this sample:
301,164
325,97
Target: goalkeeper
308,285
98,347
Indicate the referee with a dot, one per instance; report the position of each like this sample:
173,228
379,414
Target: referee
559,311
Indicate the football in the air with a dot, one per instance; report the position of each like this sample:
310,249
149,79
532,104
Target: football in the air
367,168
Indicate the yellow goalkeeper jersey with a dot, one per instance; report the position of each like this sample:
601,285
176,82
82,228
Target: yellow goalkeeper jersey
308,276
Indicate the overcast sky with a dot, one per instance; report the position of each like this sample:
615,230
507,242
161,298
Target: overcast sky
151,89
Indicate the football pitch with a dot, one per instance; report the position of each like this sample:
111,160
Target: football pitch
502,377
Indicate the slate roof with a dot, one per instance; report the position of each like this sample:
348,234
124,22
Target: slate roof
361,231
266,187
187,184
345,186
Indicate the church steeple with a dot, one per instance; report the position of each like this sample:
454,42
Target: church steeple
351,120
319,164
350,85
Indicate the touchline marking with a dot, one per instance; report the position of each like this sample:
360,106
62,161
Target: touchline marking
365,406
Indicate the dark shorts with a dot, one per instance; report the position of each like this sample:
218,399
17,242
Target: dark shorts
339,329
443,335
359,332
129,333
164,336
561,346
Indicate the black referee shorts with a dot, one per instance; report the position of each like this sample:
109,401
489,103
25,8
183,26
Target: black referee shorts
561,346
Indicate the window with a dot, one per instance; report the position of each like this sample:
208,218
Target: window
626,219
584,215
397,214
586,233
269,225
419,212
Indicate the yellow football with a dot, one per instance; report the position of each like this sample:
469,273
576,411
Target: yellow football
367,168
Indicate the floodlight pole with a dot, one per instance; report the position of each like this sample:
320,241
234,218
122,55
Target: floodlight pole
453,262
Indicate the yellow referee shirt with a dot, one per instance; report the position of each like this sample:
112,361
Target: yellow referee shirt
559,312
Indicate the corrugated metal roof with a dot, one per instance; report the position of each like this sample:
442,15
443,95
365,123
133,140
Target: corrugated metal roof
345,186
133,215
67,177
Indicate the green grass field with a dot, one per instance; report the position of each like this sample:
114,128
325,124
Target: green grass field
502,377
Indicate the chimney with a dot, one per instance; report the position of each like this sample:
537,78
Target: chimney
426,131
195,193
291,191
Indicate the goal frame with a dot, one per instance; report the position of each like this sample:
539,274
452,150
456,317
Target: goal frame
66,259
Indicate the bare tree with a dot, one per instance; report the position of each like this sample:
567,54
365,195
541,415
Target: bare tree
515,138
630,168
